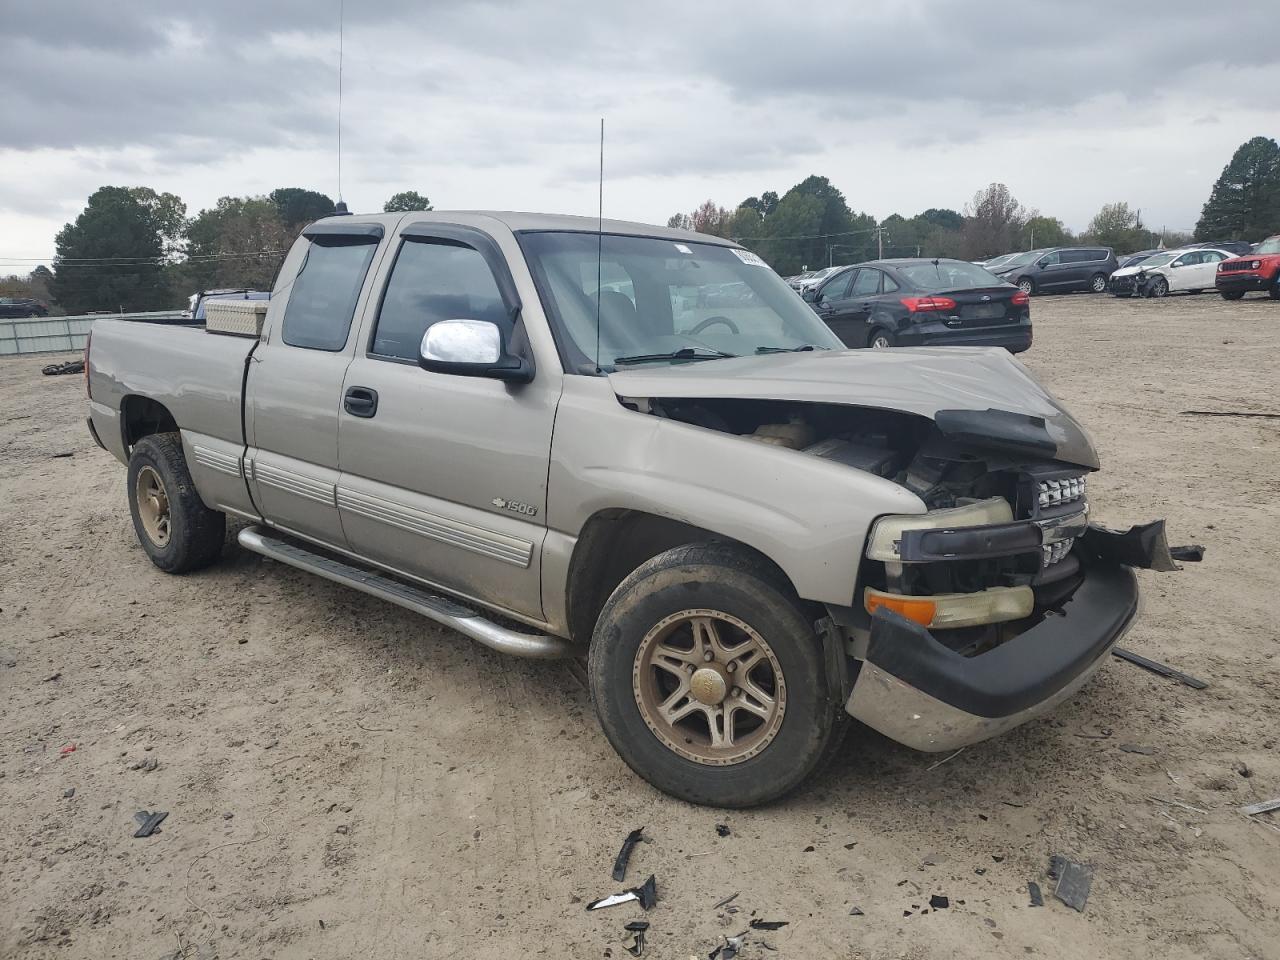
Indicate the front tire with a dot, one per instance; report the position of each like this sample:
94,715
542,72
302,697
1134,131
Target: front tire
1099,283
178,532
1159,287
1231,294
709,680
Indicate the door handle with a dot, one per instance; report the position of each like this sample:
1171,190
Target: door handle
360,402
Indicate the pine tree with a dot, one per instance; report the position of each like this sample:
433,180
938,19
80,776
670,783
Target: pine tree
1245,202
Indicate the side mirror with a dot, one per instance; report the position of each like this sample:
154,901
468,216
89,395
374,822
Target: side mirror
470,348
1042,263
809,294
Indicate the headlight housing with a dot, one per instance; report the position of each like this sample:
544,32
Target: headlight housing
887,532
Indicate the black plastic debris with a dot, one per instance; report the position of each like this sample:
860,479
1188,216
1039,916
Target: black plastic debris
1138,748
637,944
148,822
856,912
635,926
850,846
624,855
809,849
1074,881
722,829
1037,899
979,870
768,924
59,369
1156,667
648,892
939,902
68,793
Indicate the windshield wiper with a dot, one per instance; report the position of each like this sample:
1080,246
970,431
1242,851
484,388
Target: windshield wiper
800,349
684,353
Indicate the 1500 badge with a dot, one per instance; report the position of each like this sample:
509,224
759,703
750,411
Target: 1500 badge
515,506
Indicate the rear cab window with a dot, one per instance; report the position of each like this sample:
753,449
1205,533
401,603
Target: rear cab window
325,291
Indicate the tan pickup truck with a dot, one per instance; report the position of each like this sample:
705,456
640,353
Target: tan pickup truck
640,445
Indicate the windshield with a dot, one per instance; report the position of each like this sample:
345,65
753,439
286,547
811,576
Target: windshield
1000,260
1022,259
1269,245
658,298
940,275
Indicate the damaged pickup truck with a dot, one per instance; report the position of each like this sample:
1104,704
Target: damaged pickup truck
640,445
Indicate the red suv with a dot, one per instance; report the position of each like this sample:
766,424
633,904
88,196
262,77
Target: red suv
1259,270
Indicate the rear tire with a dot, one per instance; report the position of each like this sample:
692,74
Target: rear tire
881,339
1027,286
774,716
178,532
1231,294
1099,283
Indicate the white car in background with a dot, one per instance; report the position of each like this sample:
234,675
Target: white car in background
1173,271
805,281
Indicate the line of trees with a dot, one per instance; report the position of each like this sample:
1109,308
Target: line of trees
132,248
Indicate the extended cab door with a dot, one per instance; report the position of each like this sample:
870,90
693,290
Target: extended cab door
444,477
294,386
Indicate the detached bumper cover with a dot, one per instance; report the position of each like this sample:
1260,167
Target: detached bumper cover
916,691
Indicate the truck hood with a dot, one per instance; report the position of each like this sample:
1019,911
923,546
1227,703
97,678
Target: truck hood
980,395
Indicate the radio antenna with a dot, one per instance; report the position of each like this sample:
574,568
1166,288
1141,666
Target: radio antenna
341,11
599,244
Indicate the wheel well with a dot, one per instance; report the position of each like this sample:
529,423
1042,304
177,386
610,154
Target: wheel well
141,416
613,543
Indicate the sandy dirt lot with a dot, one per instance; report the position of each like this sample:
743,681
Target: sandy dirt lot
344,779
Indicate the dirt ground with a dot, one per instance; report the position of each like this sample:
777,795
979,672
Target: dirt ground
343,778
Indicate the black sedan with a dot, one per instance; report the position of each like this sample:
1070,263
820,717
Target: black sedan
920,302
16,307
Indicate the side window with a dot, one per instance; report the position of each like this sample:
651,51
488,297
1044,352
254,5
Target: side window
1075,256
434,280
867,284
1186,260
889,284
1212,256
1050,259
836,288
1099,254
323,299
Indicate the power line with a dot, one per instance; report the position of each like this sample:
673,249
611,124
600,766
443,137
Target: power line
815,236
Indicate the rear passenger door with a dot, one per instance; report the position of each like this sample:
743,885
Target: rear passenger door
294,385
1205,273
444,477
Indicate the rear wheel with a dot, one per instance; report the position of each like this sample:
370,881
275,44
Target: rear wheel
880,339
1099,283
1159,287
709,680
1027,286
1231,294
178,532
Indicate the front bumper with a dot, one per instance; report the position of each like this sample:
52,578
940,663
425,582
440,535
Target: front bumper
1126,286
1242,282
918,692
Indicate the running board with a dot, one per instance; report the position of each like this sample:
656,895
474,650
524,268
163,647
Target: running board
443,611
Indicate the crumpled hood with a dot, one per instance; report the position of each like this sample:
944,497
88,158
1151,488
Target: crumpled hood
918,380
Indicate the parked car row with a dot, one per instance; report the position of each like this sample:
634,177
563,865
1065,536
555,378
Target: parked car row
1188,269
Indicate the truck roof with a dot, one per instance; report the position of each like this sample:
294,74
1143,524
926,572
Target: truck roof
518,221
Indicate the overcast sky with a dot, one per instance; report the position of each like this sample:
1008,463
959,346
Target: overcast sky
905,104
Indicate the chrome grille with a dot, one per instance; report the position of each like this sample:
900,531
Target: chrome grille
1053,552
1054,492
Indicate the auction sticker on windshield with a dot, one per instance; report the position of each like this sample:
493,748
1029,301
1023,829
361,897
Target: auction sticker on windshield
746,256
683,249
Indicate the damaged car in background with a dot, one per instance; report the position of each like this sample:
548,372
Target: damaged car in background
559,441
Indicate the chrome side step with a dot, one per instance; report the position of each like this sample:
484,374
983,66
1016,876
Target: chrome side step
450,613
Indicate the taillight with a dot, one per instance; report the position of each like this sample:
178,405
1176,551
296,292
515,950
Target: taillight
928,304
1021,299
87,341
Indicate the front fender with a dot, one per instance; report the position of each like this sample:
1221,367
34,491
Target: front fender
808,515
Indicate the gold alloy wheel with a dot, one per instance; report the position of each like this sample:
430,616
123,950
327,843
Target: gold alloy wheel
153,506
709,687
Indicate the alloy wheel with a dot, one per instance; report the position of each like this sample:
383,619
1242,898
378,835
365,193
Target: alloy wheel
153,506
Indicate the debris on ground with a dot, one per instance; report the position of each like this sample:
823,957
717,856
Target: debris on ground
1074,881
1037,898
646,895
856,912
767,924
624,855
637,927
939,902
1138,748
722,829
1265,806
146,765
729,949
68,793
148,822
59,369
1156,667
69,748
1178,803
62,456
726,901
1230,413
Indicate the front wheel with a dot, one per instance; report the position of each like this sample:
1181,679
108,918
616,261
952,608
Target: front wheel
1099,283
1159,287
709,681
1231,294
1274,290
178,532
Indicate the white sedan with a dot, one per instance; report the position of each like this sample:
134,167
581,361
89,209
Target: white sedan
1191,270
